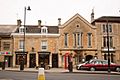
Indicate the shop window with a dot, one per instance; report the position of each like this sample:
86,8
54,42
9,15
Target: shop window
21,57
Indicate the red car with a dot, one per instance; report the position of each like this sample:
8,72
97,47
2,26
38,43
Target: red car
96,64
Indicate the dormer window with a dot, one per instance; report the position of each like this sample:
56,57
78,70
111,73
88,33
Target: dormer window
21,29
44,30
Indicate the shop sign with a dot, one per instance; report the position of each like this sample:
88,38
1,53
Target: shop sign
5,53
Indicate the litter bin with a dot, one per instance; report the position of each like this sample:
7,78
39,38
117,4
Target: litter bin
3,65
22,65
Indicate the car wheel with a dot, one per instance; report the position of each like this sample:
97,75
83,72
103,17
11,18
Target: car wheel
118,69
92,69
78,68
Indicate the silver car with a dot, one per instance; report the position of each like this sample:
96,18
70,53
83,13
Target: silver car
78,67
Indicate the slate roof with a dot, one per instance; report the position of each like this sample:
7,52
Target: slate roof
6,30
112,19
36,29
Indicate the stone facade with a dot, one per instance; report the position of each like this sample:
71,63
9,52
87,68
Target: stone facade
114,37
55,46
6,45
77,39
33,46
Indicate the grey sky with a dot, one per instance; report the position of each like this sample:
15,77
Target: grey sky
50,10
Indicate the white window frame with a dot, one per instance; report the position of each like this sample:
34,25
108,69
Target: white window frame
21,29
44,30
21,44
44,43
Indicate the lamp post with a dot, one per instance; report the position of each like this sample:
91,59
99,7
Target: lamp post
108,48
22,61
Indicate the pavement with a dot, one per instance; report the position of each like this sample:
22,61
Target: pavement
60,70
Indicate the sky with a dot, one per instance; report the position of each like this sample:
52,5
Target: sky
48,11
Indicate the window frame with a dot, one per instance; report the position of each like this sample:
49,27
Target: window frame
44,45
66,39
104,28
22,29
89,40
6,43
21,44
44,30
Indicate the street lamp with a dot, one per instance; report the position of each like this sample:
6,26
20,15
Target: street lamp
28,8
108,48
22,62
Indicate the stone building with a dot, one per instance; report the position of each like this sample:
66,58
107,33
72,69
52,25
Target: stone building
40,47
6,54
112,23
78,40
54,45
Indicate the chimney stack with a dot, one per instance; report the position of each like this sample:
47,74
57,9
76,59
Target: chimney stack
19,22
92,16
59,21
39,23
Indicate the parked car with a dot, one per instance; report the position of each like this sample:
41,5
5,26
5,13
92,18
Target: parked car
78,67
96,64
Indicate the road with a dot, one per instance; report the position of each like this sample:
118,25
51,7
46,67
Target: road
8,75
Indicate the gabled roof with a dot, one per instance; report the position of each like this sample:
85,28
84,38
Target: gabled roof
36,29
115,19
77,16
7,29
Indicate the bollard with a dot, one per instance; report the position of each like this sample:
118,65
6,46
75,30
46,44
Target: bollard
41,74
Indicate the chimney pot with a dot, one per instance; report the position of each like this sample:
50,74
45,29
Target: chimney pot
92,16
19,22
39,23
59,21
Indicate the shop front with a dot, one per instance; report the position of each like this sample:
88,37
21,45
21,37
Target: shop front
7,58
20,57
43,59
32,60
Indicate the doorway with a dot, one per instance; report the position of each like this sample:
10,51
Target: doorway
43,59
8,61
54,60
88,57
32,60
